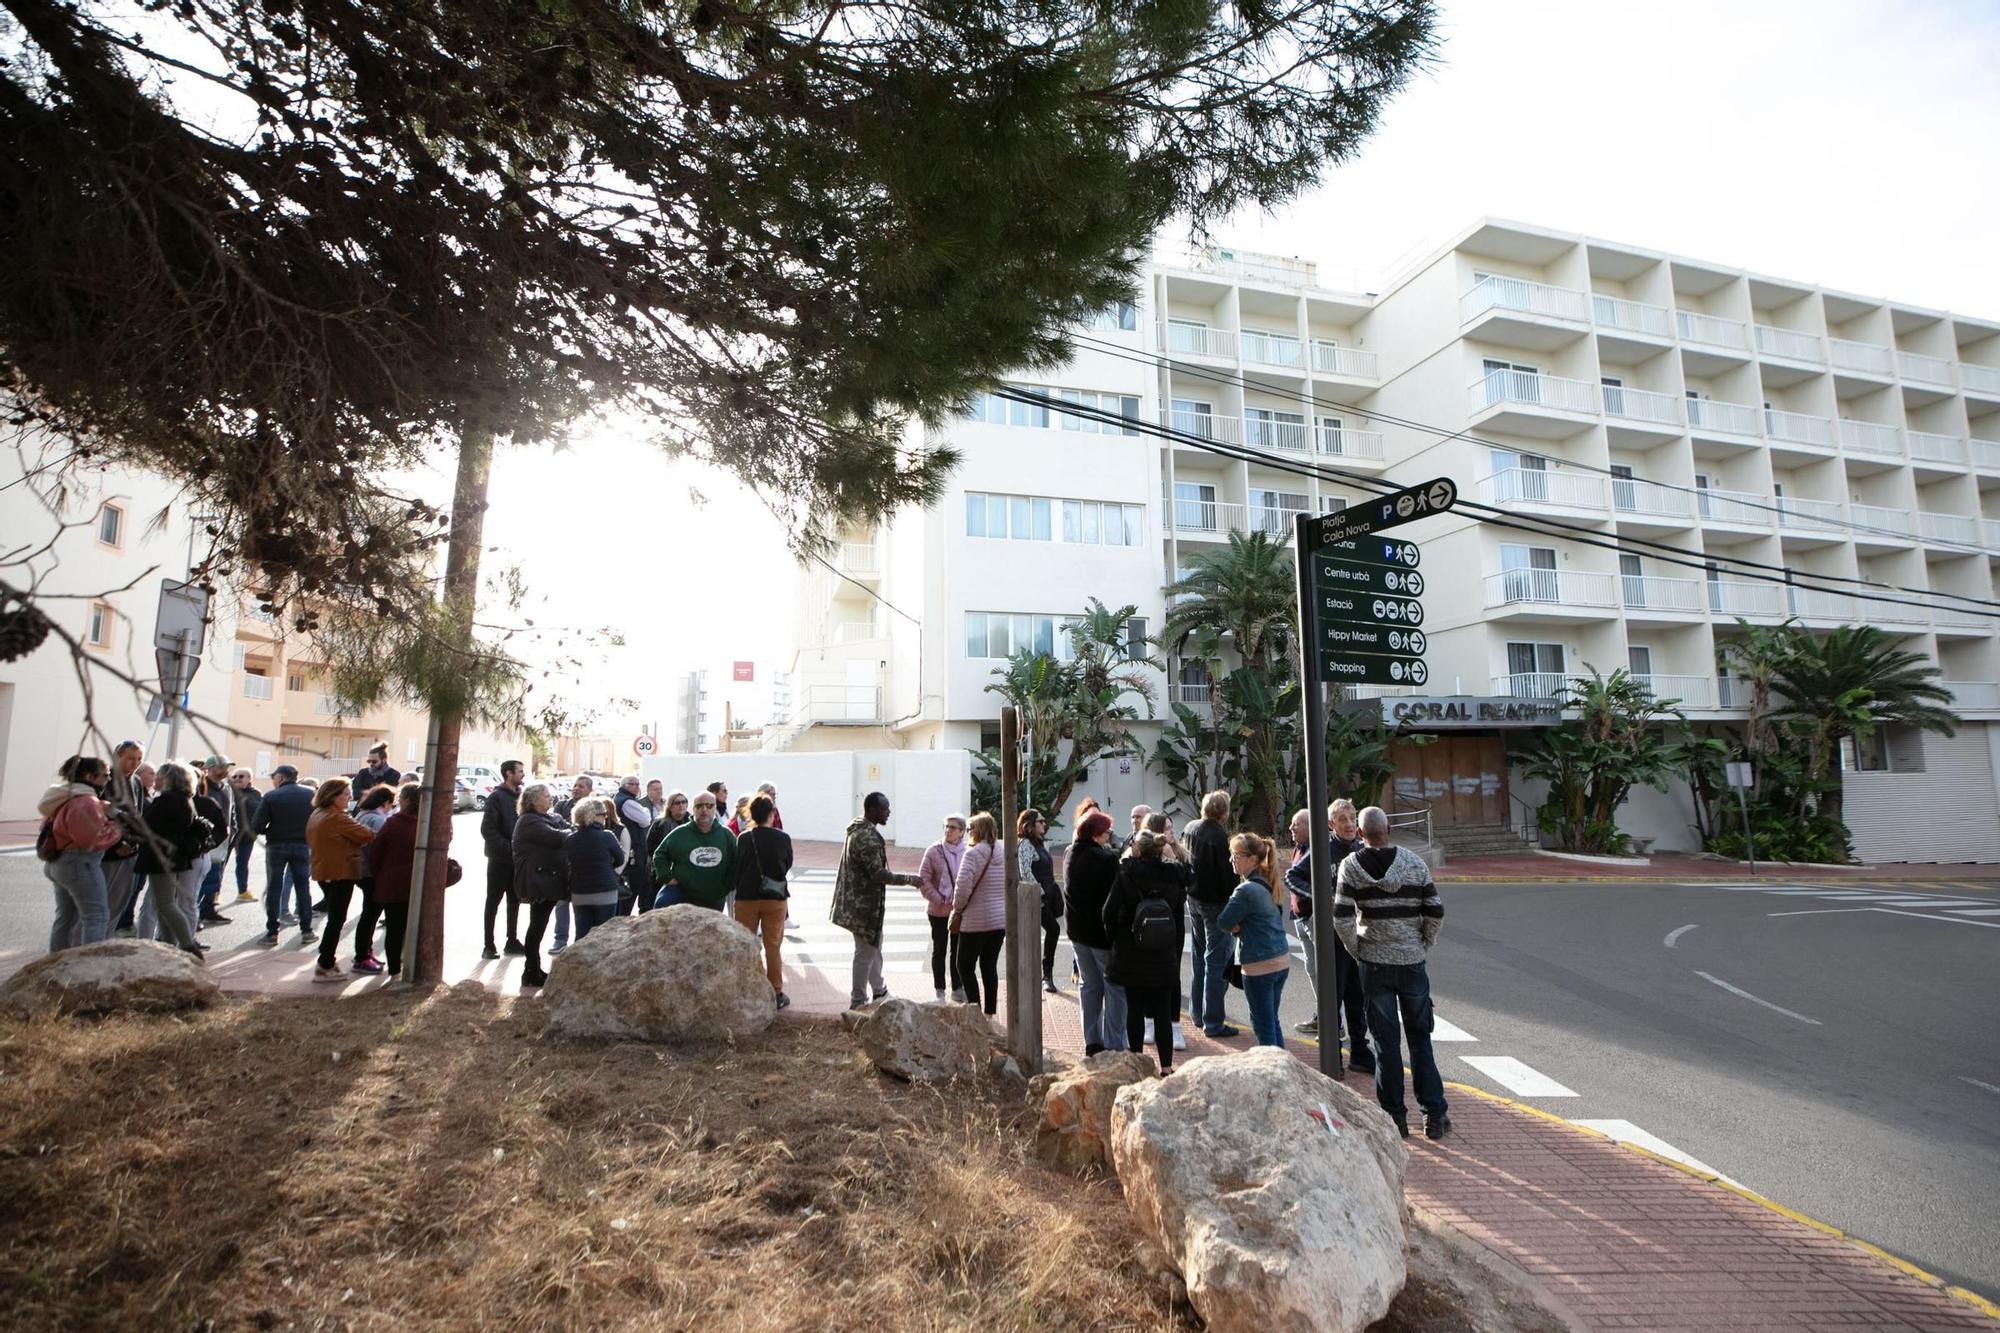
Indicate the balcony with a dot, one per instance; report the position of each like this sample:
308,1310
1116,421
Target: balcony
1541,406
1713,331
1750,600
1948,530
1992,528
1646,597
256,687
1195,696
1788,344
1948,451
1525,314
1732,692
1973,696
1645,503
1275,270
1892,613
1797,428
1532,685
1330,358
1549,489
1292,437
1983,381
1738,509
1813,604
1654,413
1614,315
856,631
1921,369
1274,519
1986,455
1861,358
1559,592
1203,518
1800,517
1207,426
1880,526
1954,622
1871,438
1340,442
1688,691
326,705
1272,349
1197,340
860,558
1711,418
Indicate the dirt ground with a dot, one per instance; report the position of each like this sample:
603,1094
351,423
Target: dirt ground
434,1162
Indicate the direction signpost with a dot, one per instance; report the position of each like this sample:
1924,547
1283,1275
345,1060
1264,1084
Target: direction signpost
1360,623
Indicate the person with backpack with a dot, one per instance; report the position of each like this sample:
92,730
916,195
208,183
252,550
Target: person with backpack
77,829
763,891
1145,917
173,856
1091,873
1038,867
1207,842
1255,914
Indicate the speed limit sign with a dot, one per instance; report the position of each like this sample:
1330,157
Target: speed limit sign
645,747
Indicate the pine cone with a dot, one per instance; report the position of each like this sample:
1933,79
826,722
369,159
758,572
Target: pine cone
22,628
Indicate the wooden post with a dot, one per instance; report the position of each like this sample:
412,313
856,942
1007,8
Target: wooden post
1024,917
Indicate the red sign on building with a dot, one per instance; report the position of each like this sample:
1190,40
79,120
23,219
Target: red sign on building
744,671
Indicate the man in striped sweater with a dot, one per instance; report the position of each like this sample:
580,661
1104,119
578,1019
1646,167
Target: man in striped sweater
1388,913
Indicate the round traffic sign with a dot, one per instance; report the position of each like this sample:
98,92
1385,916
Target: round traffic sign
645,746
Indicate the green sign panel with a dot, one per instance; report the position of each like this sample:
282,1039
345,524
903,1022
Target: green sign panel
1340,607
1373,551
1346,576
1359,670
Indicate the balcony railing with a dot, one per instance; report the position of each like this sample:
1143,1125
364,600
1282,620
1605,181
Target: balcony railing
1738,597
1641,405
256,687
1533,298
856,631
1986,455
1691,691
1951,529
1197,340
1992,528
860,557
327,706
1277,521
1798,428
1712,330
1206,425
1868,437
1521,386
1192,695
1644,592
1709,414
1272,349
1882,521
1532,685
1742,508
1554,587
1632,496
1973,695
1203,517
1330,358
1867,358
1613,312
1979,379
1954,618
1340,442
1802,515
1893,613
1541,486
1788,343
1813,604
1732,692
1264,433
1927,447
1925,369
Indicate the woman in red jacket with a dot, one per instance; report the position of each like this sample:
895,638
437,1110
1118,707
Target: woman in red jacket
389,860
79,832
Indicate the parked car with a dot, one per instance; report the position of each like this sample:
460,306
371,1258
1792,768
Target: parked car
482,778
462,797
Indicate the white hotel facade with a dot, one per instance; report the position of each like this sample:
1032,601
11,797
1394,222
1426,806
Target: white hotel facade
1688,415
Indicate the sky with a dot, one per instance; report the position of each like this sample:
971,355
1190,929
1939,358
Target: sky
1838,142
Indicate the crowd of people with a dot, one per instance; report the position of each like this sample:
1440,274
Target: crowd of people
132,849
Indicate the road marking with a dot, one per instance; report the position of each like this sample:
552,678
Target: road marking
1517,1078
1974,911
1676,933
1737,990
1978,1084
1624,1131
1443,1029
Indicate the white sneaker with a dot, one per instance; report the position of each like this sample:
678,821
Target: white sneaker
328,973
940,997
1180,1042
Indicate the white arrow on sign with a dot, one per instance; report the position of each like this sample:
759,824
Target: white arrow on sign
1442,493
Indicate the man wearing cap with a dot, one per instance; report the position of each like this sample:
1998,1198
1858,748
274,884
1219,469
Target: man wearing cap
216,767
281,821
377,773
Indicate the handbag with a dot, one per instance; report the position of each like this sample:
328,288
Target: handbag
45,840
773,888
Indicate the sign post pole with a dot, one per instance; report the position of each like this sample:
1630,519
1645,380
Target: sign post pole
1326,960
1024,936
1739,778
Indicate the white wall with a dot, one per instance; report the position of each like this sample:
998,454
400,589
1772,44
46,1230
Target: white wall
1948,812
820,793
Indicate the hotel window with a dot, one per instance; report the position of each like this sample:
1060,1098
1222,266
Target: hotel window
1117,404
1092,523
1121,315
1022,518
99,632
111,525
1001,634
998,411
295,683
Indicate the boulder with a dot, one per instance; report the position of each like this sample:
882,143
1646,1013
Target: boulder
114,976
1075,1132
926,1043
681,973
1276,1192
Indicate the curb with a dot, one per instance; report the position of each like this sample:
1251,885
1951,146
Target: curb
1925,1276
1972,885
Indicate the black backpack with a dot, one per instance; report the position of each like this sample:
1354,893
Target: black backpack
1153,927
45,841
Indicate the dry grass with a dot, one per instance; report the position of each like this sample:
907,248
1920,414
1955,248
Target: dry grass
435,1162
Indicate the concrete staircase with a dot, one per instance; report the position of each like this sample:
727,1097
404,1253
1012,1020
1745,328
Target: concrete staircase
1463,840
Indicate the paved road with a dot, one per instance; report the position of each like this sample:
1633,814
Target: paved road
1834,1048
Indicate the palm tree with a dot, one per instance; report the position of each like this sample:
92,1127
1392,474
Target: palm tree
1244,592
1847,684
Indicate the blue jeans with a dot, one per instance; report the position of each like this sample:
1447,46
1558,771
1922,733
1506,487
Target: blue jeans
243,850
590,918
282,859
1213,948
1399,1000
81,916
1262,993
211,888
1103,1001
562,925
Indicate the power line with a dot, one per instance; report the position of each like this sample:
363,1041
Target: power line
1243,380
1497,517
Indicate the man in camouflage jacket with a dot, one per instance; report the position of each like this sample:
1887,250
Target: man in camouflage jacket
858,899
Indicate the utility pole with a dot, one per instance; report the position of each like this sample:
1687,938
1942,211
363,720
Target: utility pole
1326,959
1024,936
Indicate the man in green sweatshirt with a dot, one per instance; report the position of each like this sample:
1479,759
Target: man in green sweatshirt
697,861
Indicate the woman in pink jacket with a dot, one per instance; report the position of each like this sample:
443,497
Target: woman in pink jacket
79,832
980,899
937,877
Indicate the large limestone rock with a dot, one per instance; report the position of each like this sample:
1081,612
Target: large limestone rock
112,977
1276,1192
681,973
1075,1132
926,1043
